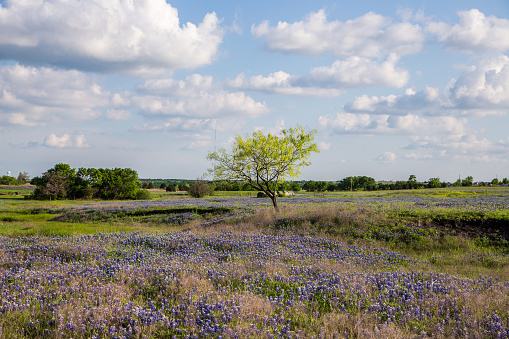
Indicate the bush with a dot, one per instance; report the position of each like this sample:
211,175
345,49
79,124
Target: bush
143,194
172,188
199,189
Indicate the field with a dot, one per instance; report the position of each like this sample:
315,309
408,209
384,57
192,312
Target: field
401,264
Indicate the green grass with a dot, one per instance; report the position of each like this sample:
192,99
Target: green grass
372,228
378,225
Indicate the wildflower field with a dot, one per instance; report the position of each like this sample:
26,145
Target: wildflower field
334,266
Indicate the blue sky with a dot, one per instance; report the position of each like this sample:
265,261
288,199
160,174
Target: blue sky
393,88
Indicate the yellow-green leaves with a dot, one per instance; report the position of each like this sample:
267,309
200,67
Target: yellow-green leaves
264,160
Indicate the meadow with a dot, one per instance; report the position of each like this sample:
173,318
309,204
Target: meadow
400,264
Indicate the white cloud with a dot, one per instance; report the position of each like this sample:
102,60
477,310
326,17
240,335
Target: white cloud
361,72
283,83
138,37
387,157
417,156
195,97
350,123
65,141
429,100
484,86
370,35
198,141
191,125
324,146
467,148
30,96
474,32
415,124
328,81
274,130
482,89
117,114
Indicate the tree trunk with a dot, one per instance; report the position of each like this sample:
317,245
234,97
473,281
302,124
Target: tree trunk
274,202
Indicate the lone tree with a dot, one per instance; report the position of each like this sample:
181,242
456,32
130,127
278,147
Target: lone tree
262,161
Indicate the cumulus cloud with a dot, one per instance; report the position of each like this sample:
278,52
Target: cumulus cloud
467,147
429,100
282,83
484,86
482,89
417,156
117,114
30,96
387,157
474,32
191,125
199,141
136,37
370,35
324,146
351,123
65,141
361,72
195,97
459,143
328,81
279,125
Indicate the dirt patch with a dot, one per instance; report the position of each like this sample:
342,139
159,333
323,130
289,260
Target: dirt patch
475,228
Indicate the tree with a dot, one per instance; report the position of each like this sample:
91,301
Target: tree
412,182
357,183
172,187
294,186
495,181
118,183
434,183
199,189
23,178
505,181
262,161
468,181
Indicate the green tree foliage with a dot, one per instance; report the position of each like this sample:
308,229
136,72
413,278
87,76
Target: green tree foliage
357,183
172,188
434,183
412,182
56,185
23,178
468,181
8,180
505,181
495,181
199,189
62,182
264,160
294,186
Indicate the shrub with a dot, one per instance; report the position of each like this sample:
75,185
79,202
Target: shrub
199,189
143,194
172,188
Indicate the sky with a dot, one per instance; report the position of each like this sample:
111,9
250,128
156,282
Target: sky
392,88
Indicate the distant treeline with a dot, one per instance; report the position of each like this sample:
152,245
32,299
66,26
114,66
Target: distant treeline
354,183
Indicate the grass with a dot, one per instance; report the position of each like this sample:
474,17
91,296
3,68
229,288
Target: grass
359,264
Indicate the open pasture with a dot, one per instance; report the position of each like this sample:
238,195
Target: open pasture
345,265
